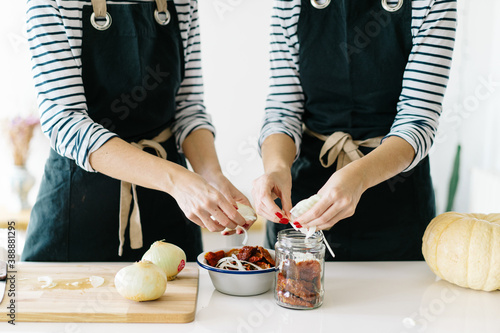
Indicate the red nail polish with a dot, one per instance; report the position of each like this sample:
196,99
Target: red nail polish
279,215
245,225
284,221
235,207
297,224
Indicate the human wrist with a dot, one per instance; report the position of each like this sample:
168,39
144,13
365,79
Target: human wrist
358,172
173,175
211,173
276,166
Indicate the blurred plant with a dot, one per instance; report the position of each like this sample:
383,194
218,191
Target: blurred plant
20,131
452,191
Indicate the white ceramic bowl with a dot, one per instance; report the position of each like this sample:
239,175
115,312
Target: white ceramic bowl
239,283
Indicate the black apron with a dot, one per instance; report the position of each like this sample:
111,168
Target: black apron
352,56
131,74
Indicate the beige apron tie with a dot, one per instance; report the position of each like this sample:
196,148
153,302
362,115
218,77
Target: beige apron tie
341,147
161,5
128,193
99,7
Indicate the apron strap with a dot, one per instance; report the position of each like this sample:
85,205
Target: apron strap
341,147
99,7
128,193
161,6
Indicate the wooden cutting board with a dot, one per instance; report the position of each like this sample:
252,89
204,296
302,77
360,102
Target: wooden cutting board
83,303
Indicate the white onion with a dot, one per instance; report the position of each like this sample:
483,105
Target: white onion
234,263
169,257
141,281
247,212
302,207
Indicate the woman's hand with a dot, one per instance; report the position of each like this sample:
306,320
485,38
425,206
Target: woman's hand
232,195
268,187
339,198
341,193
278,153
200,201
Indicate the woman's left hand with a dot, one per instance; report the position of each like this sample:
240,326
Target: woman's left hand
339,197
232,194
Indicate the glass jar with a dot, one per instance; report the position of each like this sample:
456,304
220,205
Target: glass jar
300,267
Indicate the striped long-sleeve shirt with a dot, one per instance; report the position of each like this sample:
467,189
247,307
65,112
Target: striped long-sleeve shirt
55,39
425,78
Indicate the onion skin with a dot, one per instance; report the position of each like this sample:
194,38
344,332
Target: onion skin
169,257
141,281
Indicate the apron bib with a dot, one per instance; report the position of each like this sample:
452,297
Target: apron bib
131,74
353,54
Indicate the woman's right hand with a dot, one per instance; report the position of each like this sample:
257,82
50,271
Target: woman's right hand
271,185
200,202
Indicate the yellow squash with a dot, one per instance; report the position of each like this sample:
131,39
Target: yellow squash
464,249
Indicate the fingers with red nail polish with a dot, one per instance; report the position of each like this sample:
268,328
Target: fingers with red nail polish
297,224
284,220
279,215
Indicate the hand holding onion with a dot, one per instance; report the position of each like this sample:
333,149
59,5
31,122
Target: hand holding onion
339,197
267,188
249,215
237,199
200,200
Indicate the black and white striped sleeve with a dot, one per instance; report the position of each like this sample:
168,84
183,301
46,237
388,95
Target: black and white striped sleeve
426,75
58,82
285,101
190,113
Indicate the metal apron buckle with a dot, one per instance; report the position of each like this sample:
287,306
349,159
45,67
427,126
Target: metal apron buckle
391,9
320,4
100,11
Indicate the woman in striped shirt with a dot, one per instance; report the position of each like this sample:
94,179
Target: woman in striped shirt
120,95
355,98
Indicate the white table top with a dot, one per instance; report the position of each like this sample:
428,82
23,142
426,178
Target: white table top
399,297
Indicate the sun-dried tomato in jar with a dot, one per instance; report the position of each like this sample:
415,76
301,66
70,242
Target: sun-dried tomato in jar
300,270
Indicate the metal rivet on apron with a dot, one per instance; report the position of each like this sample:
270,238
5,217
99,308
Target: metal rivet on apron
388,8
160,20
106,24
320,4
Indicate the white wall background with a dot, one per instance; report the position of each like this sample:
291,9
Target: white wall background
235,46
471,111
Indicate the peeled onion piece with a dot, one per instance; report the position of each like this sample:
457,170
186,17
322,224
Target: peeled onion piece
248,214
141,281
302,207
169,257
